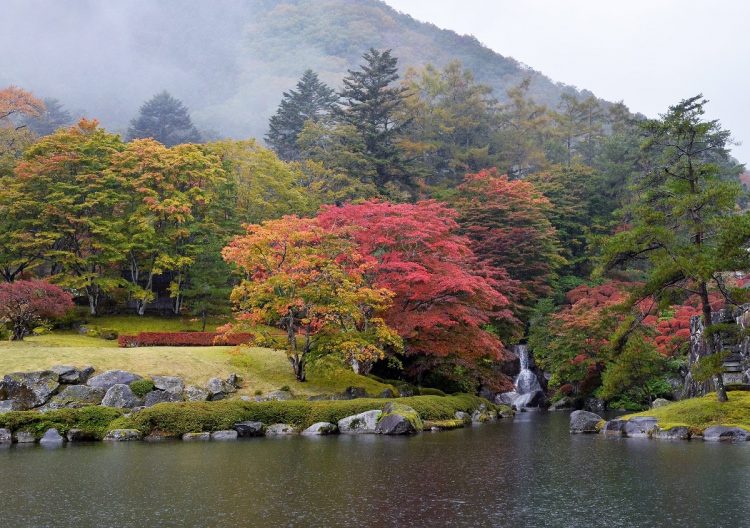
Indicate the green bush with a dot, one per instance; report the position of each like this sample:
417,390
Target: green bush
428,391
93,420
142,387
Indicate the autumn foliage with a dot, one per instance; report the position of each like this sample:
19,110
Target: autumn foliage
143,339
25,303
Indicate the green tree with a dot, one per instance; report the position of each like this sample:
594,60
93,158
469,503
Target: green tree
164,119
684,222
53,116
313,100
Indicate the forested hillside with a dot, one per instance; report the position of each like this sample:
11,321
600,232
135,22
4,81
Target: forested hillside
228,60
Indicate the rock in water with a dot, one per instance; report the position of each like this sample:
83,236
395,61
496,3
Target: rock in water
224,435
506,398
399,419
24,437
6,437
79,435
613,428
362,423
584,422
29,389
120,396
52,438
112,377
248,429
675,433
171,384
280,429
321,428
123,435
640,427
191,437
722,433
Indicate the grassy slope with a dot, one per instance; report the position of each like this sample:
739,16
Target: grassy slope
262,369
700,413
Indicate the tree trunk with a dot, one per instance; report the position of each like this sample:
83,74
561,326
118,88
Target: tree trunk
203,320
19,332
298,366
721,391
93,302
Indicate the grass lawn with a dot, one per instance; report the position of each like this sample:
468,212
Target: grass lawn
700,413
262,369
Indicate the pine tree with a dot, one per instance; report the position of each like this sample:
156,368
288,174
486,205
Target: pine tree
311,101
372,105
53,116
164,119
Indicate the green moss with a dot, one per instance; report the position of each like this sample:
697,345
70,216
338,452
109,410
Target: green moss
428,391
94,420
405,411
443,425
142,387
700,413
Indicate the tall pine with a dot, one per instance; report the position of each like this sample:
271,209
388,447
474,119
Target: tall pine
166,120
311,101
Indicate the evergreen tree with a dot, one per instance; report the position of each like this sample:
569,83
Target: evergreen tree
373,106
164,119
53,116
311,101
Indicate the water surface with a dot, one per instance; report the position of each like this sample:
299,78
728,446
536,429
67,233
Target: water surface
525,472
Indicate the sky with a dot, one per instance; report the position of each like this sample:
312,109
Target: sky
648,53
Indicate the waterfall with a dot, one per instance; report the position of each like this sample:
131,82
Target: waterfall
528,389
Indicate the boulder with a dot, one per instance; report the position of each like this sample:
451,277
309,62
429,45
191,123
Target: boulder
280,429
52,438
77,396
277,395
6,437
351,393
584,422
29,389
161,396
399,419
123,435
7,406
120,396
171,384
192,437
482,416
659,402
506,398
613,428
723,433
218,389
224,435
563,404
234,380
362,423
463,416
675,433
639,427
529,399
112,377
73,375
248,429
594,405
79,435
387,393
193,393
24,437
321,428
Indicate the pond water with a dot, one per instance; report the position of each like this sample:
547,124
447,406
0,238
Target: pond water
523,472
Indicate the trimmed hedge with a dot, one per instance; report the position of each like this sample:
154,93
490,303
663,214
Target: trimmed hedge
182,339
94,420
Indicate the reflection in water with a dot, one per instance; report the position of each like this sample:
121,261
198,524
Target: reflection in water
529,472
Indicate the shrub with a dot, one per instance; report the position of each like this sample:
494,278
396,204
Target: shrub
25,303
93,420
142,387
428,391
182,339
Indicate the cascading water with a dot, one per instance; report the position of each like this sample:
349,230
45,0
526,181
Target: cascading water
528,389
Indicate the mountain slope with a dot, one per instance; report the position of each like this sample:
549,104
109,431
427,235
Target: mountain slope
228,60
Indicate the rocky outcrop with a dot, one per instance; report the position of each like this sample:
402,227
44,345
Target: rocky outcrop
170,384
112,377
723,433
224,435
72,375
321,428
123,435
121,396
193,393
249,429
280,429
77,396
52,438
218,389
399,419
584,422
27,390
362,423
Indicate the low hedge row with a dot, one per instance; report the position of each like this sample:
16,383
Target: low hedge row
182,339
175,419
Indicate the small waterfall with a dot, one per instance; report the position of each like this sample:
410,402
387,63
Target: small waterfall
528,389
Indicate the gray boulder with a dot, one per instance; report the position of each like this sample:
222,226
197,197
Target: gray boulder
506,398
397,423
77,396
218,389
352,393
723,433
659,402
121,396
639,427
280,429
29,389
675,433
6,437
463,416
80,435
193,393
161,396
362,423
224,435
7,406
192,437
112,377
171,384
387,393
277,395
72,375
249,429
321,428
234,380
613,428
563,404
52,438
123,435
595,405
24,437
584,422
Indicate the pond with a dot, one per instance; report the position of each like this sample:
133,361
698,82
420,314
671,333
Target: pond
523,472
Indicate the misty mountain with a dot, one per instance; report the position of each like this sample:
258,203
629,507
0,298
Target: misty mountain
228,60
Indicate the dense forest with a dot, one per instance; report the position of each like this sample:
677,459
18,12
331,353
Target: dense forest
415,225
